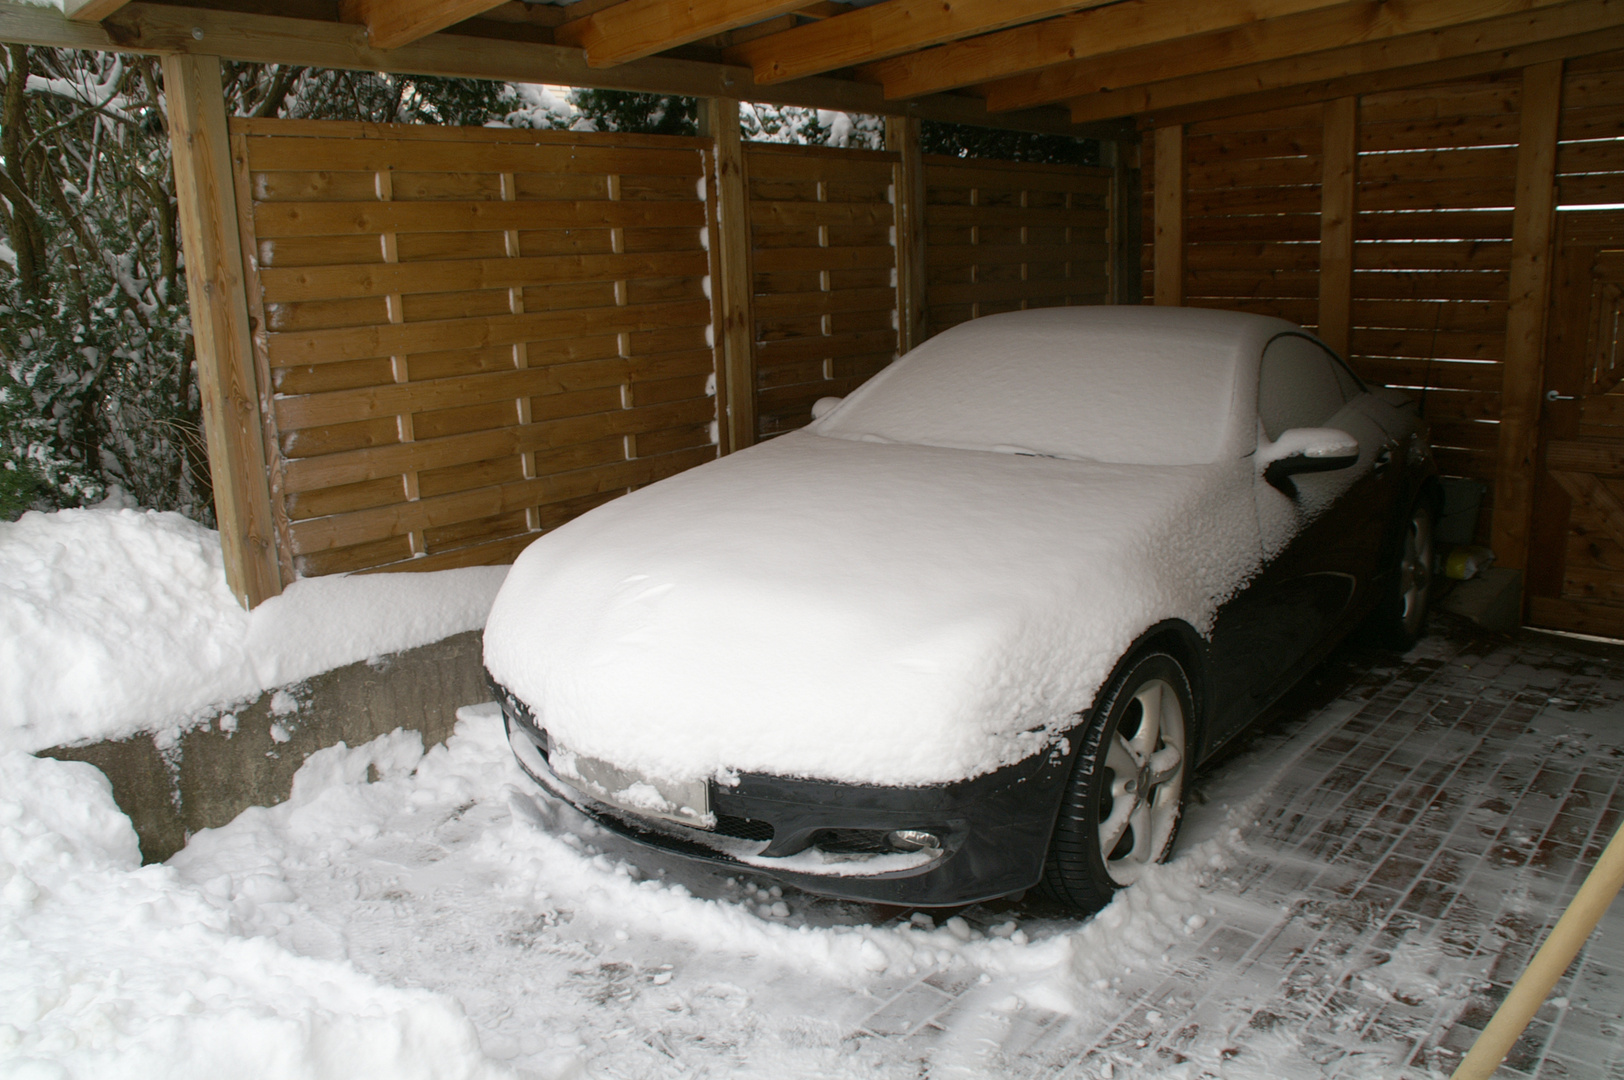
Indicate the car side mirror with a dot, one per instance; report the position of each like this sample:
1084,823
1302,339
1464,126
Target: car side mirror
824,406
1306,450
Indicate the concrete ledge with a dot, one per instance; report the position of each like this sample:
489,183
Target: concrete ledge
210,775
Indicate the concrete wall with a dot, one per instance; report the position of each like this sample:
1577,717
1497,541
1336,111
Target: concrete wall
210,776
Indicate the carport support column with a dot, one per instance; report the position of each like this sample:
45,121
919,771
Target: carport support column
1169,244
1533,227
908,207
1337,191
731,276
221,334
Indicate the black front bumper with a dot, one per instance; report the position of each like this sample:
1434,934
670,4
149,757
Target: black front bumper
993,829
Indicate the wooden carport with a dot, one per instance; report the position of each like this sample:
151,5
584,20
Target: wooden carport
1388,172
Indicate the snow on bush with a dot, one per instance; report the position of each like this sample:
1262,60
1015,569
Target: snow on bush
117,621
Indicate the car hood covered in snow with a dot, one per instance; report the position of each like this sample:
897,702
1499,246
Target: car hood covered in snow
870,613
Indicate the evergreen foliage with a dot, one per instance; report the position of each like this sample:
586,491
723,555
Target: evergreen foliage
967,141
98,387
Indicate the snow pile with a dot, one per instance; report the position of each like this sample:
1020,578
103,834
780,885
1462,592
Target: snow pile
109,969
117,621
576,953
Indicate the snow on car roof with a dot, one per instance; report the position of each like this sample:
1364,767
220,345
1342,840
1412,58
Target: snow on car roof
1119,384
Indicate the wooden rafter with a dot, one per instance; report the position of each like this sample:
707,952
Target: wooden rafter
91,11
1418,51
633,29
393,23
1377,82
1283,38
885,30
162,28
1093,33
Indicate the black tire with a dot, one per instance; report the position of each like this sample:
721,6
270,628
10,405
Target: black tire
1100,799
1400,616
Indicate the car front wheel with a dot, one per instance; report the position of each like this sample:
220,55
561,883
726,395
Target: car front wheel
1125,796
1401,616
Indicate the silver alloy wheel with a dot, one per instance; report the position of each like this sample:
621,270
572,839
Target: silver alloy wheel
1415,571
1146,759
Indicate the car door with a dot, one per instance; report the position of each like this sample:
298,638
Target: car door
1321,539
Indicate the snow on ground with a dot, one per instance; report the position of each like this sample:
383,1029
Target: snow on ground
438,915
114,621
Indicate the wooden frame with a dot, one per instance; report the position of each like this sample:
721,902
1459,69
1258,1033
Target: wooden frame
1169,195
1338,190
1523,383
735,289
205,193
902,135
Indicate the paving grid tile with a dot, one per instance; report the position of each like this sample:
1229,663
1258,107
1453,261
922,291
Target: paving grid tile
1402,870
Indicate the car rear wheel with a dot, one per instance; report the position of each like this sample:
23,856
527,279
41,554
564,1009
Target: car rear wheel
1401,617
1123,801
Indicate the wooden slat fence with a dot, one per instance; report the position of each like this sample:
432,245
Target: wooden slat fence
1002,236
824,260
1435,168
470,335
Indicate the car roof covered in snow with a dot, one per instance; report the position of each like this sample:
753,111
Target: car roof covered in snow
1120,384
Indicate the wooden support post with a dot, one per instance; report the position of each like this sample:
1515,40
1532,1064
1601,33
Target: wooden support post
731,275
908,202
1533,227
1337,192
221,333
1169,195
1127,224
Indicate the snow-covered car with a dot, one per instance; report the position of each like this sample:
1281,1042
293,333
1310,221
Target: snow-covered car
969,631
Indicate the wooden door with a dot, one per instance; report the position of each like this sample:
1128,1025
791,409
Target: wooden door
1576,558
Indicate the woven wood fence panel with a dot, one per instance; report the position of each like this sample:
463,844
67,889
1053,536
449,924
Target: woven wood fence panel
1432,256
823,257
469,336
1002,237
1432,241
1252,210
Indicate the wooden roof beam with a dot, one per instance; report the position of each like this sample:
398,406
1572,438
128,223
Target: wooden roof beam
633,29
393,23
1432,73
275,39
885,30
1358,24
1584,26
91,11
1093,33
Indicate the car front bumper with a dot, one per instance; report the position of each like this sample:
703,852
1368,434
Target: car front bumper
832,839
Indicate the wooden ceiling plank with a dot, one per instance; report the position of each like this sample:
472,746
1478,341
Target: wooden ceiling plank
1574,20
161,28
1093,33
885,30
393,23
633,29
1474,66
1363,21
91,11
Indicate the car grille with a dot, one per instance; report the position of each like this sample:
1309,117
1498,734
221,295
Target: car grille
743,828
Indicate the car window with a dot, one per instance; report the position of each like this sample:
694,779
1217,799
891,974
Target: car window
1300,384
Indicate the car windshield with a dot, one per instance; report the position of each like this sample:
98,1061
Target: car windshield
1126,385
